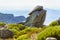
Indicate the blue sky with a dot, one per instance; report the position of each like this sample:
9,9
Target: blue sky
23,7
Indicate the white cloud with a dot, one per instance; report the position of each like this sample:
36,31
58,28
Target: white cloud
18,4
53,4
23,4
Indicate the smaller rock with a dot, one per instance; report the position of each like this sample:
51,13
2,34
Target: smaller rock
51,38
4,34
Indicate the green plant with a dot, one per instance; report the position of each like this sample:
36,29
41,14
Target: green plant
2,24
29,31
16,26
50,32
54,23
23,37
16,29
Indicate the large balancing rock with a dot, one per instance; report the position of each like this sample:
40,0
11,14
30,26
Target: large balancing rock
36,17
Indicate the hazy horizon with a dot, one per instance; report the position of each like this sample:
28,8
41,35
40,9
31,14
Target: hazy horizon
23,7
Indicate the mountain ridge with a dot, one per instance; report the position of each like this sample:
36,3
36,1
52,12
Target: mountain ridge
10,18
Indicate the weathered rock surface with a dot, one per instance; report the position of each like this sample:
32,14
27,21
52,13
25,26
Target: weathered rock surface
36,17
4,34
59,21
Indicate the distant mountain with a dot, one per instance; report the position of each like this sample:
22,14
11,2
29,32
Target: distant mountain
10,18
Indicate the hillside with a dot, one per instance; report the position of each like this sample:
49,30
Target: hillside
10,18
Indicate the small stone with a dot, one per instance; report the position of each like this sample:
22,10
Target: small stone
51,38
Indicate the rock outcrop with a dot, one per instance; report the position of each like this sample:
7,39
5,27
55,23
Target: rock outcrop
36,17
5,34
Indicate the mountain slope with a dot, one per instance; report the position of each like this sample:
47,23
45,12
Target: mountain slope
9,18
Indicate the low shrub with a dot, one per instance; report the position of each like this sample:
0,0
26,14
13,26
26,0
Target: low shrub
50,32
16,26
23,37
54,23
2,24
16,29
28,31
